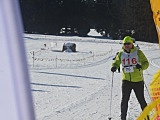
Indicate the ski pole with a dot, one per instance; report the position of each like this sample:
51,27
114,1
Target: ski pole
147,90
145,85
111,98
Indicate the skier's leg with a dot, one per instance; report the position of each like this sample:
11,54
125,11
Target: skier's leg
139,91
126,91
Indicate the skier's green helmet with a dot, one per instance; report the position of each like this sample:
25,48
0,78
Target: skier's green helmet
127,39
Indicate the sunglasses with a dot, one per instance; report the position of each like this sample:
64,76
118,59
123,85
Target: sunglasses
127,43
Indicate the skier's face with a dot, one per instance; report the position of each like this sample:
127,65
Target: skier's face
128,46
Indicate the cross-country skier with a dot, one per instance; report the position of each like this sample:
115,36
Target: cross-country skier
133,63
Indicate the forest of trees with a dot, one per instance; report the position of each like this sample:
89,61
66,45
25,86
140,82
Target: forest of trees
112,18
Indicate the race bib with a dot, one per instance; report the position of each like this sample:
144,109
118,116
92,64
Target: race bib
128,69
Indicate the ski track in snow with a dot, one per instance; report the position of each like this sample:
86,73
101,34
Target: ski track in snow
82,91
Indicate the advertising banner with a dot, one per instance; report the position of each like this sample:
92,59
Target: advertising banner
155,6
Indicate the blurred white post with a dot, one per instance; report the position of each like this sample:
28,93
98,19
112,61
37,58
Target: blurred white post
15,92
93,56
52,45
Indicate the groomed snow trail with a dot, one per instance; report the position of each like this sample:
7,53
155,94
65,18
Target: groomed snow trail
76,86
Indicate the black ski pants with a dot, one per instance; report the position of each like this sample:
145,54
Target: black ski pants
127,87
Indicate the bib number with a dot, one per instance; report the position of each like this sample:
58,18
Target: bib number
129,61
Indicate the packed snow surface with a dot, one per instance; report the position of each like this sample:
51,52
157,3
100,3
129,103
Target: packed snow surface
77,86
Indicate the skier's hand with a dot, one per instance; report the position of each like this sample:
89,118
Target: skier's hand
138,66
113,69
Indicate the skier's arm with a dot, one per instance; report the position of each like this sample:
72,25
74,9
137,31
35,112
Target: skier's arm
116,63
143,60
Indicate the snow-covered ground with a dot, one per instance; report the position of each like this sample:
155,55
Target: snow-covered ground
77,86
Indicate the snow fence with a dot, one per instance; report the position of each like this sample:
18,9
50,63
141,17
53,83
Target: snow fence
46,58
153,109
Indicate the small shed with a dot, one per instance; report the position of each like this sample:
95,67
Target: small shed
69,47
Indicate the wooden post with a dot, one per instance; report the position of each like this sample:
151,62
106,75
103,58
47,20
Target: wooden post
56,61
33,58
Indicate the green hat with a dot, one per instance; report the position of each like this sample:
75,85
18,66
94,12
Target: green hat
127,39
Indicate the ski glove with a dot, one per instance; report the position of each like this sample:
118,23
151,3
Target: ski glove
113,69
138,66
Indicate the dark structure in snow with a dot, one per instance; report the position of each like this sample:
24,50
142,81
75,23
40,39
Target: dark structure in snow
69,47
